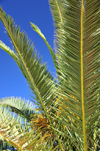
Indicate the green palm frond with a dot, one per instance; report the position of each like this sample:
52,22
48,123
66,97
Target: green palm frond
11,128
35,72
78,51
25,137
39,79
21,107
35,28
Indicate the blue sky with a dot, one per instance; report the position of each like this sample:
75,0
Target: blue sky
12,82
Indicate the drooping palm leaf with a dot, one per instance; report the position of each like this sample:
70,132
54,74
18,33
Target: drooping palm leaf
21,107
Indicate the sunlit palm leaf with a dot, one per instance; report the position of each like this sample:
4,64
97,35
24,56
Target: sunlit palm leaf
21,107
39,79
78,50
26,137
36,73
35,28
10,128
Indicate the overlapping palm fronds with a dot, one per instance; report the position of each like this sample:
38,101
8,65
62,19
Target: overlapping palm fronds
68,116
25,134
16,112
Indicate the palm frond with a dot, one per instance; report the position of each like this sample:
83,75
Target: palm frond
11,128
31,66
26,137
21,107
77,45
39,79
35,28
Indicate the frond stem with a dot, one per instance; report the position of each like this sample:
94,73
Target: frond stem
82,85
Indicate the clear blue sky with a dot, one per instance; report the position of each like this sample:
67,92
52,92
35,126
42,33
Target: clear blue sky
12,82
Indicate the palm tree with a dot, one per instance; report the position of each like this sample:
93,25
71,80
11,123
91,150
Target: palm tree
68,108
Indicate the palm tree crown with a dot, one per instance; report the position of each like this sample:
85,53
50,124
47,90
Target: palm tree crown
68,108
